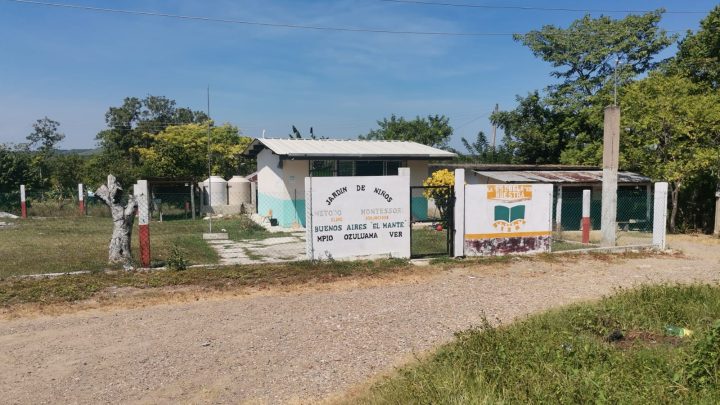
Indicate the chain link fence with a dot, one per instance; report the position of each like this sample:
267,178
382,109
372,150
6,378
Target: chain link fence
634,224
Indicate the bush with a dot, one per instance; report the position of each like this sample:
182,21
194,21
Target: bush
176,261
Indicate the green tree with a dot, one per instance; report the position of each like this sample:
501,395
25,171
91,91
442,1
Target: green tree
698,54
672,131
45,135
435,130
564,123
585,53
131,125
182,151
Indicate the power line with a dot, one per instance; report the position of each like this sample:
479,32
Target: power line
535,8
257,23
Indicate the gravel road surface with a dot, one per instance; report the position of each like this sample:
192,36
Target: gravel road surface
297,346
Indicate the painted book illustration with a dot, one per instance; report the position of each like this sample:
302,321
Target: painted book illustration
508,219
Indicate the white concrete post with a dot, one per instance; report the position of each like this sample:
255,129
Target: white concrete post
558,209
23,204
81,199
611,155
143,200
459,214
309,253
586,216
660,215
405,172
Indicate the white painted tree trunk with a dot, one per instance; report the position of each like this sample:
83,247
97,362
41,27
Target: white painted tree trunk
123,217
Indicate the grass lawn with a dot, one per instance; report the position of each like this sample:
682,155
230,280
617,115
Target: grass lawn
50,245
612,351
74,287
428,241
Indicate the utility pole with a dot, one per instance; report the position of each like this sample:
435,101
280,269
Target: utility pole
209,201
611,154
494,133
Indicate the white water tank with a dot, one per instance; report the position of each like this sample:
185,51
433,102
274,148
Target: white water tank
218,192
239,191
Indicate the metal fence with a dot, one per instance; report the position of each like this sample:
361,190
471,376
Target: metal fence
634,224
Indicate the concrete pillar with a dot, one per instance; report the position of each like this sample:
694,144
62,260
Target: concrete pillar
586,217
459,214
558,209
23,205
660,215
142,196
81,199
611,155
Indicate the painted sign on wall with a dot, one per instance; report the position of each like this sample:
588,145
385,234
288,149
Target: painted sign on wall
507,218
364,216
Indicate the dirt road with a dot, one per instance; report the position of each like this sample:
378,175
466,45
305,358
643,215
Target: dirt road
296,346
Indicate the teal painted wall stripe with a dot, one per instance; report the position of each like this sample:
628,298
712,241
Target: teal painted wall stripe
285,211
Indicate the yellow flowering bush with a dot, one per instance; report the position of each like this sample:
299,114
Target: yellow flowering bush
441,195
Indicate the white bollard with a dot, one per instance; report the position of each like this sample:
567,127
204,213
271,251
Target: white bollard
660,215
23,206
81,199
459,214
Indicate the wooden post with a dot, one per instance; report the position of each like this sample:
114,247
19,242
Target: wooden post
611,154
23,206
586,217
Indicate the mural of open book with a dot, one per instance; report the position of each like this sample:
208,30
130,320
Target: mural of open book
507,219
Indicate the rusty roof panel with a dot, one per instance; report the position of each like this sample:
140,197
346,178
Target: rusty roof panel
569,176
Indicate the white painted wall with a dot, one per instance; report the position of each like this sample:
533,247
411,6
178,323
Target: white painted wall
270,175
419,171
294,173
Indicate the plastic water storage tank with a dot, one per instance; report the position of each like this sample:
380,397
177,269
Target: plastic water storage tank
219,191
239,191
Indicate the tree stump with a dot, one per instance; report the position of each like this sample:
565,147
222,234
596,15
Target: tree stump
123,217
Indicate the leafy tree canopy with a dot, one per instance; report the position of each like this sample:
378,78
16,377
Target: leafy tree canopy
698,54
435,130
672,131
586,52
182,151
132,124
45,135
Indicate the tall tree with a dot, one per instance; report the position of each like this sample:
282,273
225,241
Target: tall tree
435,130
564,123
698,54
672,131
45,135
131,124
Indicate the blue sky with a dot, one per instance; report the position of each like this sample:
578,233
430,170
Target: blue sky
71,65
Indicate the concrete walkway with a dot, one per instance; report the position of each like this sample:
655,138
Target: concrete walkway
254,251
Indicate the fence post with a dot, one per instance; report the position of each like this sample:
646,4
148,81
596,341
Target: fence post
143,201
558,209
660,215
81,199
586,217
23,206
459,214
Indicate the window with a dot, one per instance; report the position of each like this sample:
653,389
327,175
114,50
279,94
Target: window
369,168
391,167
346,167
322,168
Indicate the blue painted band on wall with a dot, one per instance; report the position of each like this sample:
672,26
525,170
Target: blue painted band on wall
286,211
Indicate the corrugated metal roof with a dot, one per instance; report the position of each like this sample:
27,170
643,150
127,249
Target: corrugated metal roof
300,148
568,176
